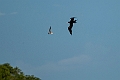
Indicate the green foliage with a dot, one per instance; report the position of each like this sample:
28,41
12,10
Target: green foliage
7,72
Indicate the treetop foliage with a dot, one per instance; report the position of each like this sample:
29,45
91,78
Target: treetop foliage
7,72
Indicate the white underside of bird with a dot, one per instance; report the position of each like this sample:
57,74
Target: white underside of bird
50,32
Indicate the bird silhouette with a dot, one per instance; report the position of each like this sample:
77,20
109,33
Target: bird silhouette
71,24
50,32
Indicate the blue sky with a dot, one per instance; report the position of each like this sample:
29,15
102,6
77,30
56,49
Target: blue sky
91,53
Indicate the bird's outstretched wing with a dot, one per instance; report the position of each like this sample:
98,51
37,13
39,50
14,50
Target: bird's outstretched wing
70,29
72,17
50,29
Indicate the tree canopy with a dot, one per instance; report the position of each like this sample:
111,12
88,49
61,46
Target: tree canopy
7,72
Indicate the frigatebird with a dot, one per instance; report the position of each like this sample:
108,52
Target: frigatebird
50,32
71,24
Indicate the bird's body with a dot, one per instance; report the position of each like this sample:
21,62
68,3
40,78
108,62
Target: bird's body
50,32
71,24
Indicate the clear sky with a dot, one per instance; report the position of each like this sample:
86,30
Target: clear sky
91,53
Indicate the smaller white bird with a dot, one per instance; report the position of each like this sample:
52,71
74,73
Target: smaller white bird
50,32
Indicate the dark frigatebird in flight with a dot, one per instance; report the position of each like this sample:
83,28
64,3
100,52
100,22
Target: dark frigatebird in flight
71,24
50,32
